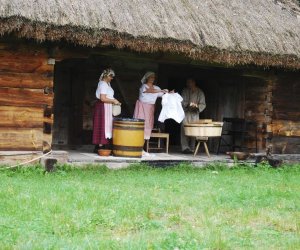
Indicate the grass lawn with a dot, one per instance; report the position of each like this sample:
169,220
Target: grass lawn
146,208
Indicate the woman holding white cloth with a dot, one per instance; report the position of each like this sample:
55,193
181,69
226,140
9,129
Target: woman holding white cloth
145,105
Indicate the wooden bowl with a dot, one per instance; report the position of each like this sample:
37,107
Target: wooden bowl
104,152
238,155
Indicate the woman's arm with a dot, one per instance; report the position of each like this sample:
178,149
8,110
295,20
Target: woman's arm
152,90
104,99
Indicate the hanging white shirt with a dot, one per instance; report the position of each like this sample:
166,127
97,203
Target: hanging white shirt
171,108
104,88
149,98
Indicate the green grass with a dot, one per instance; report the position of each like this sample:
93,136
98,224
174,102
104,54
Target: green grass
147,208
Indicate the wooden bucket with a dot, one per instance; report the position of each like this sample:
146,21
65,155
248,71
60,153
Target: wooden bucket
128,137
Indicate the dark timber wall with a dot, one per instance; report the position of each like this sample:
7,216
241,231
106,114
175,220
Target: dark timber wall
286,113
26,97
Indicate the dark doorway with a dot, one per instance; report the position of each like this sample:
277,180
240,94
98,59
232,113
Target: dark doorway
75,83
224,94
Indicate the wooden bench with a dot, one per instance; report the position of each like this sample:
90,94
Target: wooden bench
159,136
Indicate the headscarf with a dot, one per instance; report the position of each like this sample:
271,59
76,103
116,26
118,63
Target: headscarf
107,72
146,76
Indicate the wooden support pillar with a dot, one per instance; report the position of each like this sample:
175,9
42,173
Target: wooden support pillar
268,113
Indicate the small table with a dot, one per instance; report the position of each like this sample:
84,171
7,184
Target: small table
159,136
203,140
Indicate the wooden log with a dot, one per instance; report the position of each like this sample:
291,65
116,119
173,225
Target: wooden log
286,128
16,49
47,141
15,157
24,61
24,97
25,80
22,117
45,68
286,145
286,115
21,65
255,98
67,53
255,108
21,139
292,106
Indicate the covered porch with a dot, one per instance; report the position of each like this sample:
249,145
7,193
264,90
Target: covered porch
230,92
82,157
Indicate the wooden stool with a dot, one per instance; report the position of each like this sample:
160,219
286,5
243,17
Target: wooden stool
203,140
159,136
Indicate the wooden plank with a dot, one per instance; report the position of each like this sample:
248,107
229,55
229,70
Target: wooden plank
286,115
21,139
255,98
44,68
47,141
24,97
293,106
21,65
25,80
249,106
286,145
22,117
286,128
25,59
17,48
15,157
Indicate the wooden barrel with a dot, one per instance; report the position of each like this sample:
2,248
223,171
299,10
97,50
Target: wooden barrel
128,137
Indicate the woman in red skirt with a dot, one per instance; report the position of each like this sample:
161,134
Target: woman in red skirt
102,122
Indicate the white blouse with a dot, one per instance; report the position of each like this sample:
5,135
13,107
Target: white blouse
104,88
149,98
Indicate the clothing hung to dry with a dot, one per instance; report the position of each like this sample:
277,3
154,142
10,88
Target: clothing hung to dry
171,108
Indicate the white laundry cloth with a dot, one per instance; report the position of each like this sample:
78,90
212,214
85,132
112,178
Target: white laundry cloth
171,108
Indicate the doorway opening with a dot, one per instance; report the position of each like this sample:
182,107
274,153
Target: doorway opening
227,93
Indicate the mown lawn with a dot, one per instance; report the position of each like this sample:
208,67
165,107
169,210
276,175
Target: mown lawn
146,208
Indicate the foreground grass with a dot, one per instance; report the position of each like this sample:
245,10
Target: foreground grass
146,208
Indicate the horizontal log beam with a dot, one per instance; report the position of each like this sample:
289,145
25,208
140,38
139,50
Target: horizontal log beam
25,80
23,117
24,97
21,139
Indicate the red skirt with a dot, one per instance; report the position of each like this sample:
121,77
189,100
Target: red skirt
99,124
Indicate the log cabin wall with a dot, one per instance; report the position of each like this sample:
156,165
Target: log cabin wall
26,96
286,113
258,108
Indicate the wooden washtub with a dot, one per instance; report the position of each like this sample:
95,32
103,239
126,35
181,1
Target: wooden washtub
203,129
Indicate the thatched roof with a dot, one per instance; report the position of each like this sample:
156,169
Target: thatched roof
263,32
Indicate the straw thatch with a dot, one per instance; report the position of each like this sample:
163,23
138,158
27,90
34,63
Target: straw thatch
262,32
